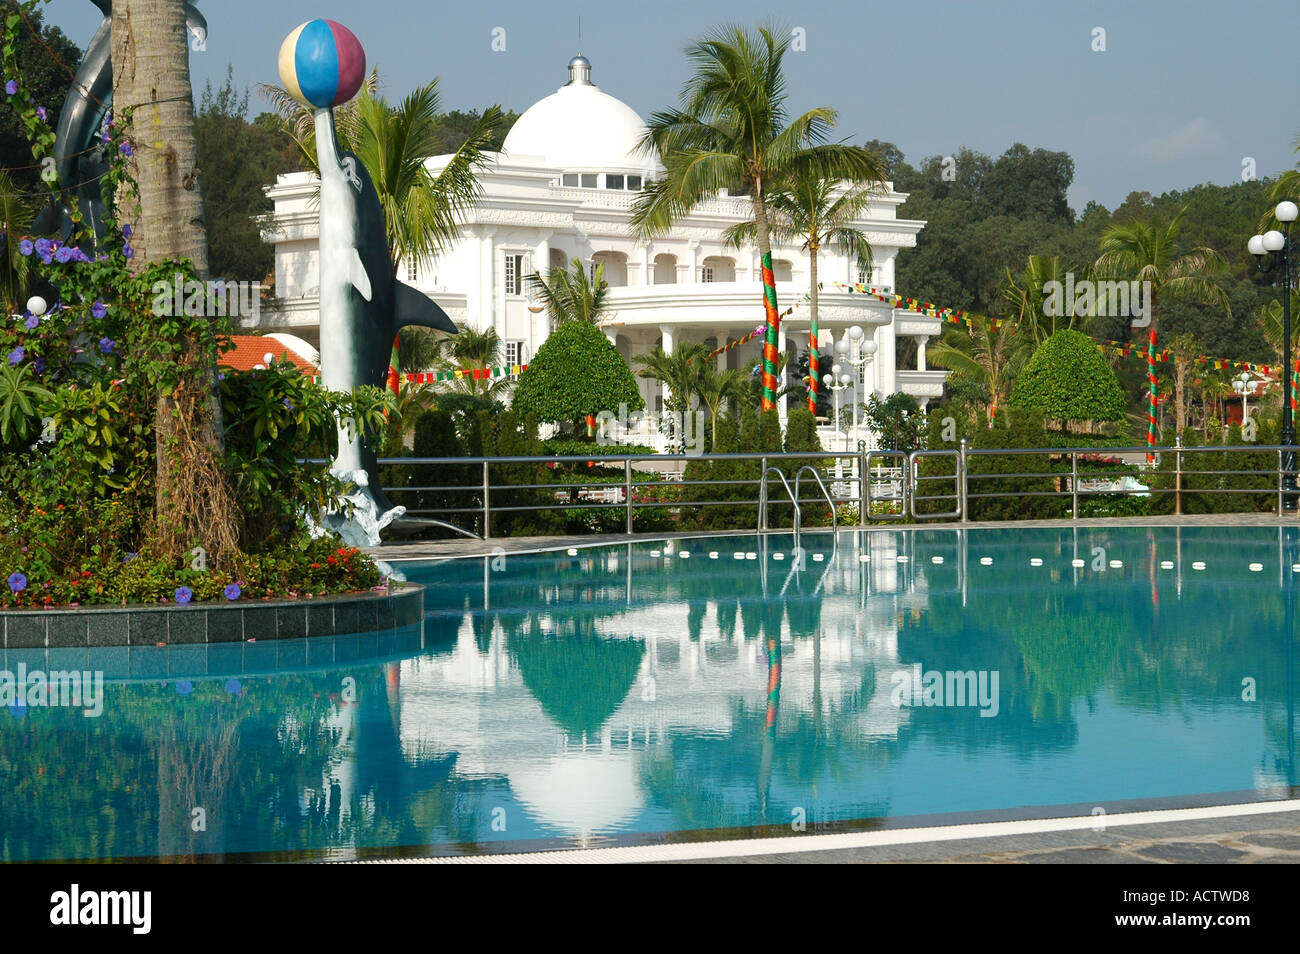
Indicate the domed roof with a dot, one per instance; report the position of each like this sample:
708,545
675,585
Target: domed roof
581,127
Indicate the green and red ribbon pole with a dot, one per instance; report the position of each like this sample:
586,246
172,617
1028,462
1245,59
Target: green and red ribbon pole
770,350
1151,399
813,368
394,362
1295,386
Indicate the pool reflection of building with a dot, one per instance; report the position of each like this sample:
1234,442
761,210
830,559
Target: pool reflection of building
477,703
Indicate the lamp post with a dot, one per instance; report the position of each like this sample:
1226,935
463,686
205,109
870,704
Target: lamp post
1273,250
1241,384
836,382
857,349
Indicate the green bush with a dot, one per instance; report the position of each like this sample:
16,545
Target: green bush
1067,380
576,372
1203,493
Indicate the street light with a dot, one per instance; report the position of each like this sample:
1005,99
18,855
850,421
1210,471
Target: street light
1273,250
836,382
857,349
1241,384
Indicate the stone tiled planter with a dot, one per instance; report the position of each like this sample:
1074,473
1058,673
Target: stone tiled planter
212,623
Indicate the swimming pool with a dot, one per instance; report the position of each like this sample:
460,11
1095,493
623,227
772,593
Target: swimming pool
694,689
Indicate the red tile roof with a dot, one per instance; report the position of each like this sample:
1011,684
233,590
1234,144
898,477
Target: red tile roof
252,350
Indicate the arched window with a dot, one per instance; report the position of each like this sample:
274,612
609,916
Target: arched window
782,270
615,273
718,268
558,260
665,269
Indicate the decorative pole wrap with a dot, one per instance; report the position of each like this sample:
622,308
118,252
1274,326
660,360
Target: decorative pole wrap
770,342
814,369
1151,399
394,362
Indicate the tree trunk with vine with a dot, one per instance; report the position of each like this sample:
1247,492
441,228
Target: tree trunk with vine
151,82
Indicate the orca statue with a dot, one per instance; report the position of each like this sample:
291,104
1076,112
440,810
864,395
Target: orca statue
362,307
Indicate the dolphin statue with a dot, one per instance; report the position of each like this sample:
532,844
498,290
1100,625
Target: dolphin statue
362,306
79,165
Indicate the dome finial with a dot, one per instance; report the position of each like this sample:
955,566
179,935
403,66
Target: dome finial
579,71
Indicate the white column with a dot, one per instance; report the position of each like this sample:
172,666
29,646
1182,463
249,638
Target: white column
886,358
645,265
538,324
667,332
694,257
921,341
474,290
487,265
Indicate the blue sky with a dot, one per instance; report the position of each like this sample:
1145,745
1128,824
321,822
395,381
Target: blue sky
1185,90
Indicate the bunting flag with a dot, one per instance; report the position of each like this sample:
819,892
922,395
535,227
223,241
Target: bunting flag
476,374
739,341
773,322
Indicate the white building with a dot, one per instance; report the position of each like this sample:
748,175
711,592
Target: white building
561,190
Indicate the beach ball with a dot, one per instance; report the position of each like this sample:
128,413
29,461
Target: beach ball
322,64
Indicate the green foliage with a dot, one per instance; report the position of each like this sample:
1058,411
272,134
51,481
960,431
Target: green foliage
42,58
897,420
1068,381
1204,492
576,372
21,397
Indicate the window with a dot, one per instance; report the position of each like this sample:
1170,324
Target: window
410,271
782,270
864,276
589,180
514,272
570,178
634,183
612,181
515,353
706,273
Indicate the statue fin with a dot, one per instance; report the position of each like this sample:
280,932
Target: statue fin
360,280
411,307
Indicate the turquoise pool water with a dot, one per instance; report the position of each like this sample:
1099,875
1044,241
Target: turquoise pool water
636,692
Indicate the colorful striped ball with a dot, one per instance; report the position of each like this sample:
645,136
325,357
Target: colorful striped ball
322,64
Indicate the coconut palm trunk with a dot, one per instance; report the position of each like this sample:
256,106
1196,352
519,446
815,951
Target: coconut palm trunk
814,367
151,82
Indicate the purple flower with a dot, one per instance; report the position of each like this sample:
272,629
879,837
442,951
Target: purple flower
42,246
11,87
17,582
128,251
39,365
106,345
233,591
40,111
25,246
233,687
31,322
99,309
184,687
79,256
127,231
63,255
127,150
17,355
183,595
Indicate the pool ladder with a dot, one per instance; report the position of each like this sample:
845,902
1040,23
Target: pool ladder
794,498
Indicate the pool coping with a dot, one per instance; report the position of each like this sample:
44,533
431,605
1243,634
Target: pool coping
406,551
1000,838
208,623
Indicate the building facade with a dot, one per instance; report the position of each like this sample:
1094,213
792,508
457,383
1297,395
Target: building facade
561,190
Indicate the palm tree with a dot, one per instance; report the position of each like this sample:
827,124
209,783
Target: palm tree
1023,299
473,350
1270,320
571,296
984,352
16,214
679,372
816,211
731,132
150,54
422,211
715,388
1287,186
1148,252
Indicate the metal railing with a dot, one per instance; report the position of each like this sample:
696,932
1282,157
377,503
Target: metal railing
794,500
480,495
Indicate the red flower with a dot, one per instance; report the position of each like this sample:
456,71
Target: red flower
330,560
